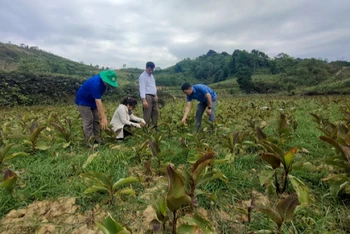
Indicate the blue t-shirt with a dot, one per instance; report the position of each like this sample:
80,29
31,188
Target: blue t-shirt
91,89
199,92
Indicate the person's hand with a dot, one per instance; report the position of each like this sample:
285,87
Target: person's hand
208,111
136,125
145,104
104,123
142,123
156,98
183,120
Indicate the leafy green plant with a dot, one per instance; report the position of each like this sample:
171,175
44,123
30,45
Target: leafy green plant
283,212
275,156
111,226
34,132
176,196
154,145
103,184
63,129
200,174
9,180
339,181
161,211
286,126
325,126
5,156
195,224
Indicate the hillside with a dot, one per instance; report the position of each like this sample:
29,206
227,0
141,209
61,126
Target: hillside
27,72
26,58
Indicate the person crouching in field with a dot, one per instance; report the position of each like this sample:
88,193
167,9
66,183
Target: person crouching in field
89,104
207,101
123,118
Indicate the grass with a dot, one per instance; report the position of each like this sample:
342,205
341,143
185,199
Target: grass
56,172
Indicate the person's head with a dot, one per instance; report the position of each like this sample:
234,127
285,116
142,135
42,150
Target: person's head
129,102
109,77
149,67
187,89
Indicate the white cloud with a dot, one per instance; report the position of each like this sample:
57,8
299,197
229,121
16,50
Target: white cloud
113,33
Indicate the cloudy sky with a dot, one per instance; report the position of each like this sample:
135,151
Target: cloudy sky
132,32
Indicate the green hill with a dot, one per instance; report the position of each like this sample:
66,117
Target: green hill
27,73
24,58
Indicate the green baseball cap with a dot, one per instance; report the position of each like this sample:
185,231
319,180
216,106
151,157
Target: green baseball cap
110,77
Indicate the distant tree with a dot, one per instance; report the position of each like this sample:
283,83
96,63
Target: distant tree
211,53
178,68
244,79
124,65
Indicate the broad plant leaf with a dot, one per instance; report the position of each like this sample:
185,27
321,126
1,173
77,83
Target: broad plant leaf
288,157
265,176
287,206
273,149
15,155
261,134
272,159
339,184
90,159
99,178
111,226
162,205
343,150
204,225
272,214
213,175
125,181
125,191
188,229
4,151
301,189
9,180
95,188
176,196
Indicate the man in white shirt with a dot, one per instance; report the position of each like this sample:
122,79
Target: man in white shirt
148,94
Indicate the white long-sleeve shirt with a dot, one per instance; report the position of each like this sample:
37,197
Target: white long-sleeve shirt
121,117
147,84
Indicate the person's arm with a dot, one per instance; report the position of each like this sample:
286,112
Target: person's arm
209,101
122,116
142,88
187,111
137,119
101,112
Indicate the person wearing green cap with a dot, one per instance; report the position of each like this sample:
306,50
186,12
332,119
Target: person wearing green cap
88,100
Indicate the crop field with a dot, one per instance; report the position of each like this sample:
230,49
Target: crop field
268,164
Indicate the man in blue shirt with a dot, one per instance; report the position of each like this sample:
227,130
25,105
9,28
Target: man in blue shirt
88,99
207,100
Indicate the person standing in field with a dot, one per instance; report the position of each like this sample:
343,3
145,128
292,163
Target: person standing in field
207,101
148,94
123,118
89,104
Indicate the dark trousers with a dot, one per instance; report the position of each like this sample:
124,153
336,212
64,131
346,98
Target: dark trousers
151,112
199,113
91,123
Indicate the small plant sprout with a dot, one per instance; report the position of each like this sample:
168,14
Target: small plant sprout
106,185
9,180
111,226
283,212
275,156
5,156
